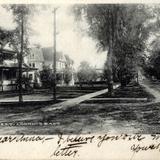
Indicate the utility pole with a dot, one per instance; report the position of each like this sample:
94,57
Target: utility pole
20,60
54,54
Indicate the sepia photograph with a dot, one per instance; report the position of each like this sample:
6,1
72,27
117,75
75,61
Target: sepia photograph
79,69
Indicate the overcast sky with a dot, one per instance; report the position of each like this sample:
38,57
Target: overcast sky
69,39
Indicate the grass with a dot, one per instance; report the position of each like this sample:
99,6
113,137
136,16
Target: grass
130,91
63,92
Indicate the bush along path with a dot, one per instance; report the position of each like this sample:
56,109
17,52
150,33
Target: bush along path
153,89
132,93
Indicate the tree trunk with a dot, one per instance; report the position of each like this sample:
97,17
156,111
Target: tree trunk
20,62
110,55
109,71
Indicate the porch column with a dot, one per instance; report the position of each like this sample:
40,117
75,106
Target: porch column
11,79
62,78
27,75
2,79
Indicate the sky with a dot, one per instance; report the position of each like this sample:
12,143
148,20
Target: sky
70,40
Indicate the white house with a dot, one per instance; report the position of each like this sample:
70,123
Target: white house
40,57
9,70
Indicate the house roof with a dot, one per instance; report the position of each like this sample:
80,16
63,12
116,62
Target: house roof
7,54
38,54
12,65
68,59
48,54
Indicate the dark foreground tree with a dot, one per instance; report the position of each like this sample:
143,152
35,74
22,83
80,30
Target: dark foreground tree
152,67
113,26
152,62
20,38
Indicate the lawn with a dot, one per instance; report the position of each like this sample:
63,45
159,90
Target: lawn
129,91
73,92
63,92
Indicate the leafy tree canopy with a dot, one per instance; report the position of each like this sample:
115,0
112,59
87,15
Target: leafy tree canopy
21,12
86,73
120,29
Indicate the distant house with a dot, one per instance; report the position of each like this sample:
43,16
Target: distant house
43,57
35,60
48,59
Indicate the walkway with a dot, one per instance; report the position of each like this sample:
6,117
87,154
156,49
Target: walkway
39,114
74,101
26,98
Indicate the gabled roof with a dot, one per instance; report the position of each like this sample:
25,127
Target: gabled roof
68,59
38,54
7,54
12,65
48,54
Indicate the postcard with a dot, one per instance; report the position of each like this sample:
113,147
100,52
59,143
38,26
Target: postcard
79,80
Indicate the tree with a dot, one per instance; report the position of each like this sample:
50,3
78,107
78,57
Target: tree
129,48
5,36
67,72
19,40
86,73
102,20
46,77
152,62
113,25
152,66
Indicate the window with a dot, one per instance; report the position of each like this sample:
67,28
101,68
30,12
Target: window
30,76
33,65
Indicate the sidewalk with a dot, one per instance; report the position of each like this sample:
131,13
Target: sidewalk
47,98
74,101
40,114
27,99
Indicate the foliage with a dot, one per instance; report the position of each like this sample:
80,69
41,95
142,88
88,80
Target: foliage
21,12
152,64
5,36
46,77
86,73
67,72
120,30
152,67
